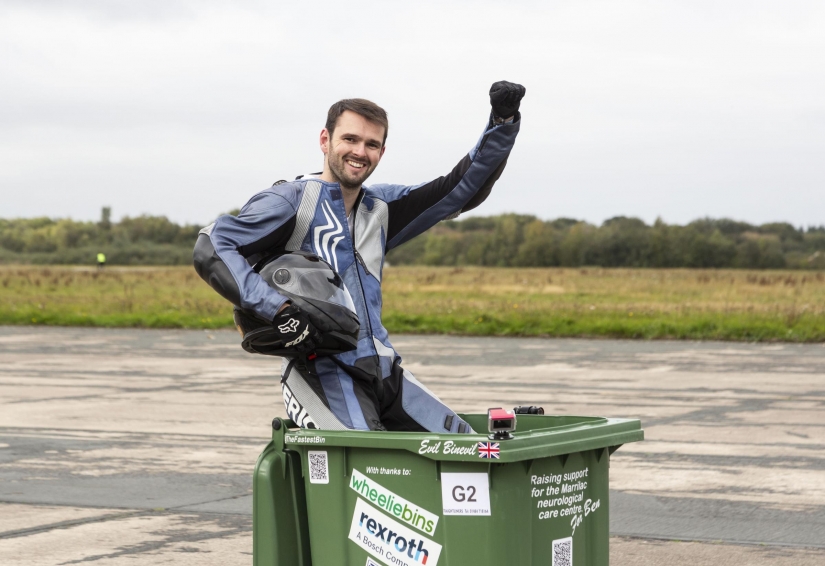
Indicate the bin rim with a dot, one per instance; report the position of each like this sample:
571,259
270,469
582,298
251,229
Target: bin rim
581,433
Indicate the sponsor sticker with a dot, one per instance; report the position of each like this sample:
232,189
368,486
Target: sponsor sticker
387,540
392,503
465,494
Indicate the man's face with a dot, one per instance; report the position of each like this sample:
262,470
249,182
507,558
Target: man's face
354,150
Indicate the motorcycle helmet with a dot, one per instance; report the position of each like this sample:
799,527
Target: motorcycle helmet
315,288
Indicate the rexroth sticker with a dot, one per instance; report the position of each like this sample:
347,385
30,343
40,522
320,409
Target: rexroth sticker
389,541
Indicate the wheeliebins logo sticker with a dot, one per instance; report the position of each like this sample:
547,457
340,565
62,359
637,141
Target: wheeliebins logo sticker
326,238
392,503
388,540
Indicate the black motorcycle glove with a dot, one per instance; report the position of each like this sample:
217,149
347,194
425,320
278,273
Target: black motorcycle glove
296,330
505,98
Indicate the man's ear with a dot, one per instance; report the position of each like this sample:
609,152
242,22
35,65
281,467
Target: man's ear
383,148
325,139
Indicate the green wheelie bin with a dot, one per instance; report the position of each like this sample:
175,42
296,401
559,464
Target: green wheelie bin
352,498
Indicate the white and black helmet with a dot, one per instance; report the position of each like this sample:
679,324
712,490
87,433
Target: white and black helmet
318,291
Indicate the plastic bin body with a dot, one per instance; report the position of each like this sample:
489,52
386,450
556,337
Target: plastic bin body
333,498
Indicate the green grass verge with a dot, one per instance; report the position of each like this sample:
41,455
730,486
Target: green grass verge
33,316
646,304
609,325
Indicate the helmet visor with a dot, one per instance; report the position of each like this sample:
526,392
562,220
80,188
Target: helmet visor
309,278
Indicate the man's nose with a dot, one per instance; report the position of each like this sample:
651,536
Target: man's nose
359,149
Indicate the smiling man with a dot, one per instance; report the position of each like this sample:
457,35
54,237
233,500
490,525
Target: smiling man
351,227
353,144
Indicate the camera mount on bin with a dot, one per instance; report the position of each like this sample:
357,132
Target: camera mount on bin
500,423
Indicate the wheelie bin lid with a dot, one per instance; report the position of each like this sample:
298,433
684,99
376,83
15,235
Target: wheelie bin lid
536,436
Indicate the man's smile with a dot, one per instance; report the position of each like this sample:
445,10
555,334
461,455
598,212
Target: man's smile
352,150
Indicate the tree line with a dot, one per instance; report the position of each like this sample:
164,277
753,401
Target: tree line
514,240
506,240
142,240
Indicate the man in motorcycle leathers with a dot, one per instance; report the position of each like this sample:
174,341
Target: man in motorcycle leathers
352,227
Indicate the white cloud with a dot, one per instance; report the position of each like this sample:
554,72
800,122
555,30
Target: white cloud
679,109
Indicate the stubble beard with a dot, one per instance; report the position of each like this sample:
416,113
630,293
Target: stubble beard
337,167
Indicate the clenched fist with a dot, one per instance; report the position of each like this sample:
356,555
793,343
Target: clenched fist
295,329
505,98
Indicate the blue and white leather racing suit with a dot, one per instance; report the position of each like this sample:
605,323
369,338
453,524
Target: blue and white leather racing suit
366,388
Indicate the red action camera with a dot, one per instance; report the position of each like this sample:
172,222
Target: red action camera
501,422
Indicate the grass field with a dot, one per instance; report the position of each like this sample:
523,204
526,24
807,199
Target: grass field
622,303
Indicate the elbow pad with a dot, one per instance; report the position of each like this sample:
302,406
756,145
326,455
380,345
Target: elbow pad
214,271
485,189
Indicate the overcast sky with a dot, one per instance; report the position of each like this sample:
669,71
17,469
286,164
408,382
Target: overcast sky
638,108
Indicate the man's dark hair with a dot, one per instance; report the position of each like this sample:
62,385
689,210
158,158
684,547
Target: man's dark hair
369,110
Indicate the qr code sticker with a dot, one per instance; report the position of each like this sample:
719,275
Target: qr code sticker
318,467
563,552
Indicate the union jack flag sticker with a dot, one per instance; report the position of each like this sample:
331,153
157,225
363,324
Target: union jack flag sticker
488,450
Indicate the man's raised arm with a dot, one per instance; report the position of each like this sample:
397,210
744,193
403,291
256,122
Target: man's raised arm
414,209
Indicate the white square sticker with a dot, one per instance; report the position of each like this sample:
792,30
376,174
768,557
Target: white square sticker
563,552
318,466
465,494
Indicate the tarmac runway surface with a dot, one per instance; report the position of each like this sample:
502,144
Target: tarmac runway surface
137,446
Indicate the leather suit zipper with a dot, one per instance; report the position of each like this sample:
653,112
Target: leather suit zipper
360,260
